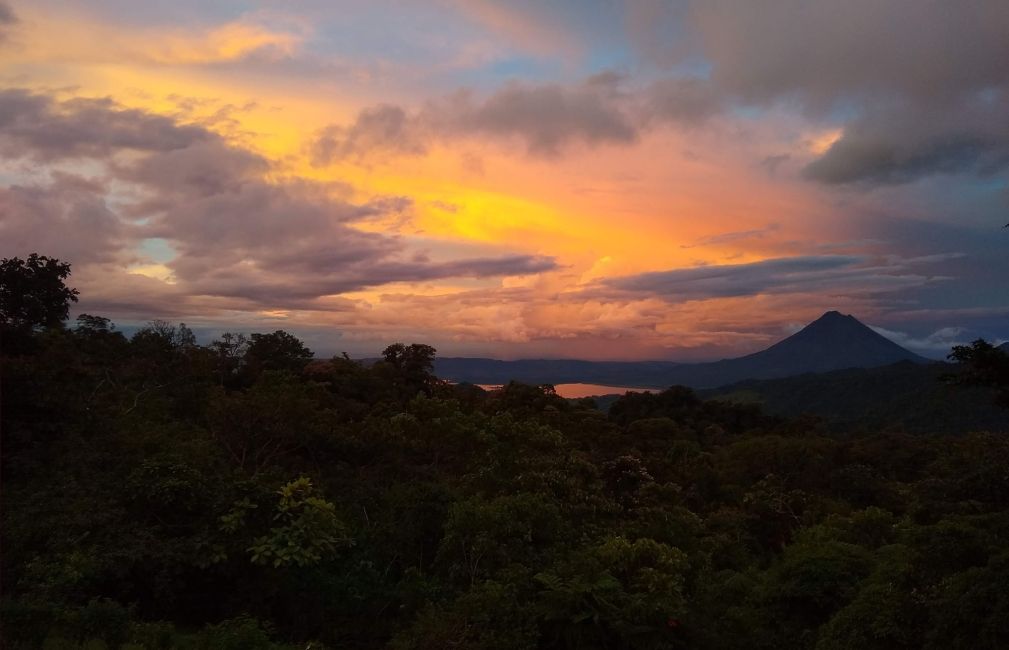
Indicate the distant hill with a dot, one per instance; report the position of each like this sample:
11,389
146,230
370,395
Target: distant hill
832,342
555,371
904,395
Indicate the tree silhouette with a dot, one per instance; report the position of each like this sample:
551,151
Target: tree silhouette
982,364
33,292
411,366
276,351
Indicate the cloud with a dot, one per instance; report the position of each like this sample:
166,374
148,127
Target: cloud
282,244
203,168
7,15
270,283
530,26
241,238
734,236
377,130
899,145
920,88
941,340
87,33
684,100
7,21
803,274
771,163
823,51
234,41
546,118
38,127
67,218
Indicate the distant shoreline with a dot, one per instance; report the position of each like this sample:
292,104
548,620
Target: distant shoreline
579,390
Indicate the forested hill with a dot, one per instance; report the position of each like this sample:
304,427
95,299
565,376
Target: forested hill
555,371
161,494
905,396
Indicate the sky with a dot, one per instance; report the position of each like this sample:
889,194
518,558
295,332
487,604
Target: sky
678,179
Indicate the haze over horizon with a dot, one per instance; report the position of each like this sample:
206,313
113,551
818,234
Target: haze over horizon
632,180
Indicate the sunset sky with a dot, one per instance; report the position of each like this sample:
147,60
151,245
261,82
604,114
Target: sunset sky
602,180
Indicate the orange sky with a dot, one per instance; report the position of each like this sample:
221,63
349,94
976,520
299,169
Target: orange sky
546,152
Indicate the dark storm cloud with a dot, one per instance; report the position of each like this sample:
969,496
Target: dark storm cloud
804,274
39,127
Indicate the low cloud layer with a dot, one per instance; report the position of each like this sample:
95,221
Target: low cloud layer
822,274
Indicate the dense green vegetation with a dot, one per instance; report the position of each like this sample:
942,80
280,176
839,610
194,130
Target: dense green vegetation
161,494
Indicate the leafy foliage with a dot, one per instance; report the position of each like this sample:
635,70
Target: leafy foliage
306,529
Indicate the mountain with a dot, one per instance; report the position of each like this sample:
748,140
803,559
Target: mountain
832,342
649,374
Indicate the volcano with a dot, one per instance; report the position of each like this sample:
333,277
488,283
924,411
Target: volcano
834,341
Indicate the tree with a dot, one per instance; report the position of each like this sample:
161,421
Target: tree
415,360
617,594
33,292
276,351
306,529
412,368
163,335
94,324
229,351
982,364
